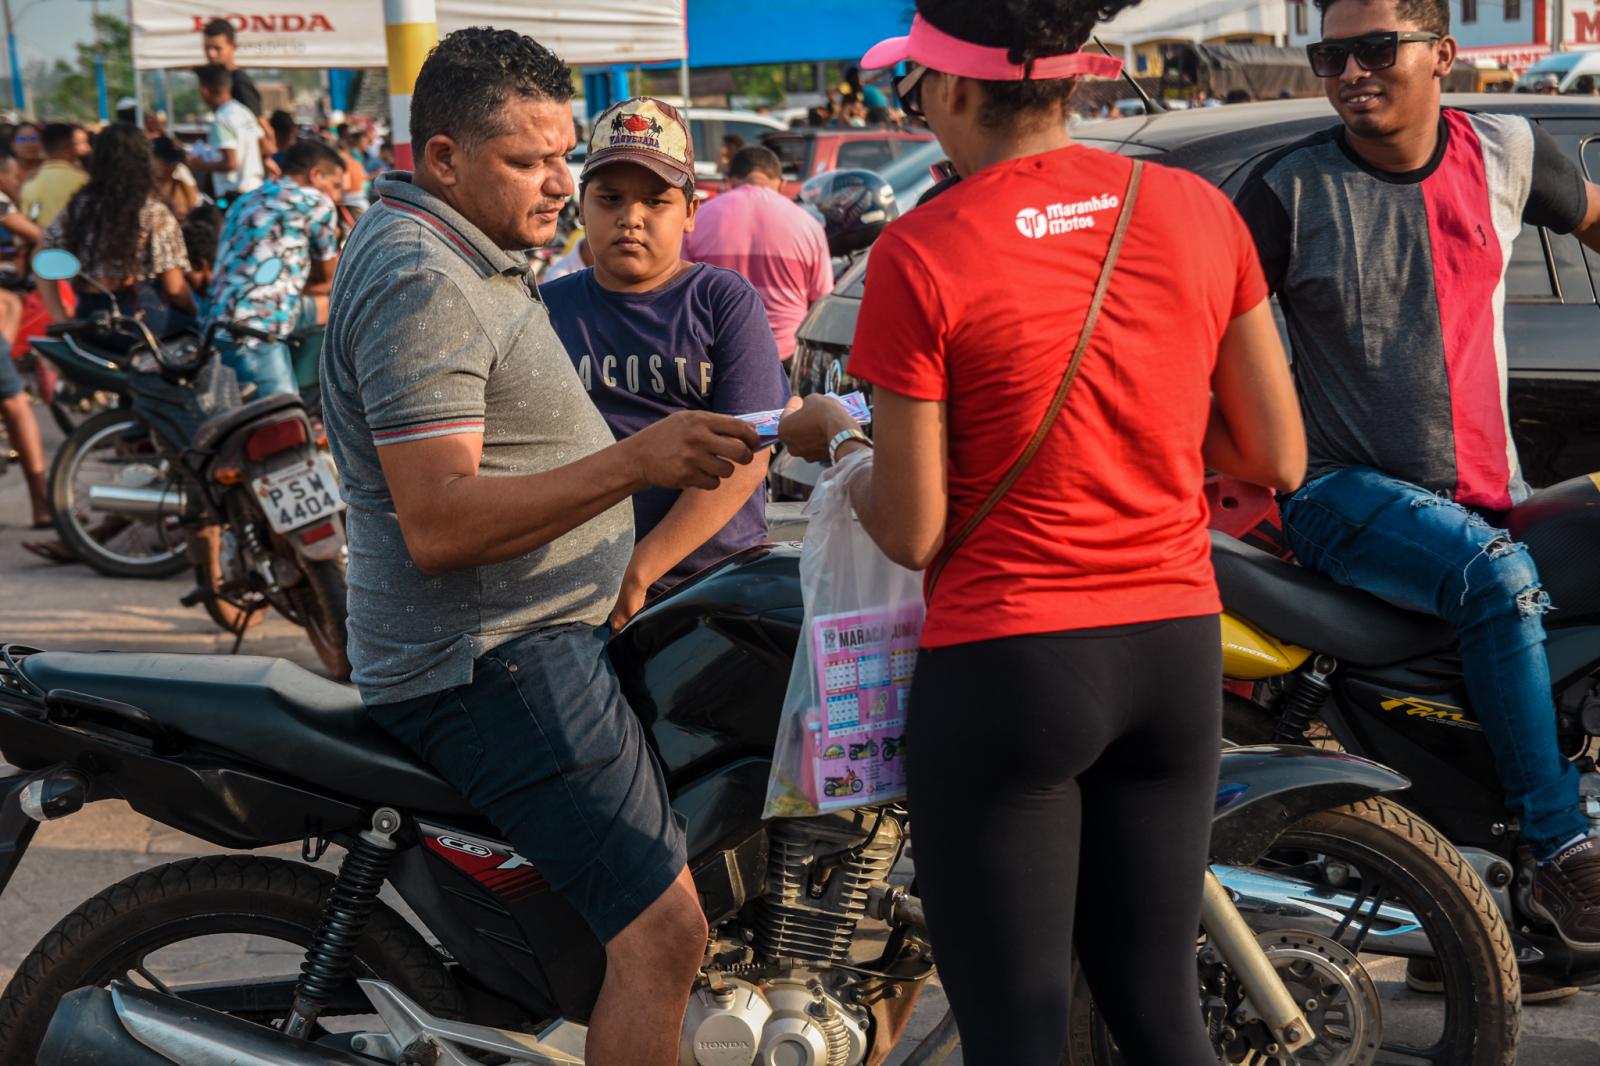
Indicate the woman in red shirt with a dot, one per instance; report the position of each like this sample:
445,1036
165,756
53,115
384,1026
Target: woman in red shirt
1066,705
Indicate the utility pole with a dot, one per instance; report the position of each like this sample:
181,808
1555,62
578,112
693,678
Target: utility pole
19,96
411,29
99,63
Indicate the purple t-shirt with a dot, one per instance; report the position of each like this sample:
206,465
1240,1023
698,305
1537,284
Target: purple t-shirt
700,343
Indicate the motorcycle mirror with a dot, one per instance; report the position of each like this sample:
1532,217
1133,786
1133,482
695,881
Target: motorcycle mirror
56,264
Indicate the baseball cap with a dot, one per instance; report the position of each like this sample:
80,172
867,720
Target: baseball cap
647,132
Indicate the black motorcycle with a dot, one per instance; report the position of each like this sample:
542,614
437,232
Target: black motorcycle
815,936
1336,666
237,491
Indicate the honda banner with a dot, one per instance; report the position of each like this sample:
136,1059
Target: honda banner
349,33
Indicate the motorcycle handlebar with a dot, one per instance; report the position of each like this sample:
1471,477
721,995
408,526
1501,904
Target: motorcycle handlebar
237,331
100,321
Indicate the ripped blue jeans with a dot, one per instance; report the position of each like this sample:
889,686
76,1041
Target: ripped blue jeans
1361,527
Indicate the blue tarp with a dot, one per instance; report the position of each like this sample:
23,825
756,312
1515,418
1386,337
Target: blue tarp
729,33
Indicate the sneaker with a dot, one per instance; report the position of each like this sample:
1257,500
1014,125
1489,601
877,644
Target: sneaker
1422,975
1566,892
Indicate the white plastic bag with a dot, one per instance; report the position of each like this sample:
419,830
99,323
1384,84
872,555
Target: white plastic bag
841,740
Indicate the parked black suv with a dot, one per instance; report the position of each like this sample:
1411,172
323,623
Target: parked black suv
1552,313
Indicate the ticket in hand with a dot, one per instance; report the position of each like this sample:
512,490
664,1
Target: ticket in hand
766,422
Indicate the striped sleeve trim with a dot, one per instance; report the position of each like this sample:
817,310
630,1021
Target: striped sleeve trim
405,434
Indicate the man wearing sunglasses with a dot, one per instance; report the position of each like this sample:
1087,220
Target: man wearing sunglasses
1386,239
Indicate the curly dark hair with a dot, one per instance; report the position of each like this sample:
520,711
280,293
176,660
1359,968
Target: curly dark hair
101,223
471,74
1431,15
1029,30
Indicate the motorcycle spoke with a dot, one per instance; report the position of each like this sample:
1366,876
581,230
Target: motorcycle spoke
155,982
1366,923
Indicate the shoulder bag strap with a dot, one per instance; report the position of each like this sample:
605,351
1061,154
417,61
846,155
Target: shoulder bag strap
1084,336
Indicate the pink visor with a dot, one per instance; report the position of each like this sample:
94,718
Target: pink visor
932,47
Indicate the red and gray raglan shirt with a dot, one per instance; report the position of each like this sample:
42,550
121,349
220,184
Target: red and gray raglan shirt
1393,289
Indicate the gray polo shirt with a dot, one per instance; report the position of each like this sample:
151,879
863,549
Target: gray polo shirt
433,330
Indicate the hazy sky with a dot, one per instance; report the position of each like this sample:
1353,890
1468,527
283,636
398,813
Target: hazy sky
49,29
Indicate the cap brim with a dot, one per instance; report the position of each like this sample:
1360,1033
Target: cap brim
662,168
886,54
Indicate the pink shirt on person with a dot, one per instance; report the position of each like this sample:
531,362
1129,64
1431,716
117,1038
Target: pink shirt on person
774,244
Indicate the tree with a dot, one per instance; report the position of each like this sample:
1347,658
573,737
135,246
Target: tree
72,94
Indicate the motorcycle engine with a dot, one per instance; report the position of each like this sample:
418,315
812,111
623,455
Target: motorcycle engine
789,1002
792,1021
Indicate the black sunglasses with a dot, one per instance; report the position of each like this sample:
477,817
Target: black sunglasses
1373,51
908,92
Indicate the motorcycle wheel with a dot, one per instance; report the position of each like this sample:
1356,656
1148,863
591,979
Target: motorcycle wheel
113,934
117,548
205,552
319,602
1407,860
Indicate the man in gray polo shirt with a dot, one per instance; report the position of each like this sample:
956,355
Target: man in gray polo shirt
490,526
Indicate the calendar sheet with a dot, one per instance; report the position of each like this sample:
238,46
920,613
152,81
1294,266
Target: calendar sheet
864,661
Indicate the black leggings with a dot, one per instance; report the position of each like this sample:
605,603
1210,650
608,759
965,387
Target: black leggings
1034,758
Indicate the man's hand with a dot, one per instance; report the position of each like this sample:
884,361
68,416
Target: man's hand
692,449
807,427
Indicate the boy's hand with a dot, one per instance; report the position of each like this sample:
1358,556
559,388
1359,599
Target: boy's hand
692,449
629,602
807,428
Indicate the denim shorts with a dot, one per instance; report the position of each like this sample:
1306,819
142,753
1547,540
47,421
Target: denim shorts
10,379
543,743
267,365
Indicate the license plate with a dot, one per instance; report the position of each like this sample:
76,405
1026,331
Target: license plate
299,495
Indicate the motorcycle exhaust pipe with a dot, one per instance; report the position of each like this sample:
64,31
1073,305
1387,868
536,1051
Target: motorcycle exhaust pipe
166,502
131,1026
1268,902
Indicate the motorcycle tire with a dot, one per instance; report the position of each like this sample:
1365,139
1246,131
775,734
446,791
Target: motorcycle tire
1483,994
319,601
112,933
84,438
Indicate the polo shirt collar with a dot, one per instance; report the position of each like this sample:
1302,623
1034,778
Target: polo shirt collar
400,193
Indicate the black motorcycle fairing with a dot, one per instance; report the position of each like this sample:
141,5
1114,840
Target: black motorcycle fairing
1573,652
214,429
695,663
1264,789
1297,606
16,828
84,364
497,917
225,801
1561,527
267,712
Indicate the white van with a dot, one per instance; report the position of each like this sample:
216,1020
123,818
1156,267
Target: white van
1567,67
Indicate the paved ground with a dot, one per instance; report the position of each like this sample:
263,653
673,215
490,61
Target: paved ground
71,607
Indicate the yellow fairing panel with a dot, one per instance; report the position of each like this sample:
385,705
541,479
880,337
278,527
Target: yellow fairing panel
1249,654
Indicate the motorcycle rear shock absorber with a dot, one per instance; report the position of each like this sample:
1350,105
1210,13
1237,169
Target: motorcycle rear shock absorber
344,920
1304,701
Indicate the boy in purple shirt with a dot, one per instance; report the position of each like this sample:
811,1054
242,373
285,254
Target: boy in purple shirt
651,334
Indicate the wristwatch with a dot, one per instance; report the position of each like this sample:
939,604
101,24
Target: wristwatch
839,438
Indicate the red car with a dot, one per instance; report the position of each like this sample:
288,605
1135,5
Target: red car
809,152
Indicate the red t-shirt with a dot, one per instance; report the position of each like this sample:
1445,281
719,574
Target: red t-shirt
977,298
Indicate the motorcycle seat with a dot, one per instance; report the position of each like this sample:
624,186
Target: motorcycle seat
1560,524
266,711
1295,605
216,428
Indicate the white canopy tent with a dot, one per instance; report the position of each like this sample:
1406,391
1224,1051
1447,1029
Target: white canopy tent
349,33
1194,20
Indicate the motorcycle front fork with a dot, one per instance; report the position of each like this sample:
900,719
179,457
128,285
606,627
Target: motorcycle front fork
1233,939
